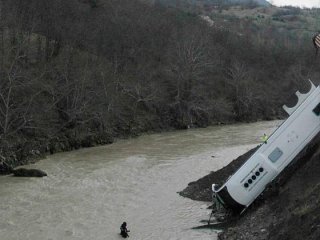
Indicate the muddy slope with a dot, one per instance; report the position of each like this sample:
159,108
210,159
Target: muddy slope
291,210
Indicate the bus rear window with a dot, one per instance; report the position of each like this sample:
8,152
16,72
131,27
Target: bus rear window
275,155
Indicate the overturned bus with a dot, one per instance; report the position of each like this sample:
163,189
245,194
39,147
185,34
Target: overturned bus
250,180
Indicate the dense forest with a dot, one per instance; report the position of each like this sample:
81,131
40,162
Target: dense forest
81,72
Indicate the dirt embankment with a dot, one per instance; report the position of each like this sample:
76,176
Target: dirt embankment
14,153
289,211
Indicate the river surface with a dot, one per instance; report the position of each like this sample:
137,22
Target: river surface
88,193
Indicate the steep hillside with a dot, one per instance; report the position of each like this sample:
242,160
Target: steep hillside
294,22
290,211
99,69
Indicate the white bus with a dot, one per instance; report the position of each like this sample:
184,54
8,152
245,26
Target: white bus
249,181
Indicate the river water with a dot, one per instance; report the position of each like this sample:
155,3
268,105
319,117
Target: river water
88,193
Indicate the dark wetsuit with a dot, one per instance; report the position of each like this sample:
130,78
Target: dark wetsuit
124,230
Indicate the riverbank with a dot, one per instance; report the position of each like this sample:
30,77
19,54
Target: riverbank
15,153
20,151
292,211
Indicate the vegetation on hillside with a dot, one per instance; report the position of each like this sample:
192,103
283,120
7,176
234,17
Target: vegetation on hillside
83,71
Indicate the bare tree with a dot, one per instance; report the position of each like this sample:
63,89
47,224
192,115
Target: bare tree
17,91
189,60
244,90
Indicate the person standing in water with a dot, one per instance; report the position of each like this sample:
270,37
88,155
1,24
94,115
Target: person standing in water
123,230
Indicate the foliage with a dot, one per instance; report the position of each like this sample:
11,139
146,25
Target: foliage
124,67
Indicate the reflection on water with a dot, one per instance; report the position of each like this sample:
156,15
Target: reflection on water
90,192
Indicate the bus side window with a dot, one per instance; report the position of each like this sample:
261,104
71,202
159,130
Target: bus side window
316,110
275,155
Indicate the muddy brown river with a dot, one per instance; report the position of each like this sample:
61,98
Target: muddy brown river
88,193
